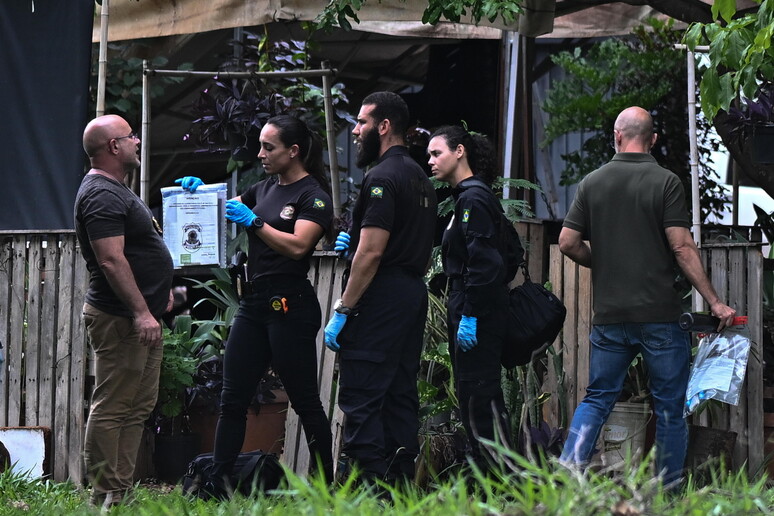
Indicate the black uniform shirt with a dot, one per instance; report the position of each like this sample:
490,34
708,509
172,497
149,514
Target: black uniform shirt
280,206
397,196
469,246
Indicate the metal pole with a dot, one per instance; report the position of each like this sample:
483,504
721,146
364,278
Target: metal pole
102,69
330,132
510,122
698,302
244,75
145,136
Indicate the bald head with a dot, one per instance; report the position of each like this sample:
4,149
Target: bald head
99,131
634,130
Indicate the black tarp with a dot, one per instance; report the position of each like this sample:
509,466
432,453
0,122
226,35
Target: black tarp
45,55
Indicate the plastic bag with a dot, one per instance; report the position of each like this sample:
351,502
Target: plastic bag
719,367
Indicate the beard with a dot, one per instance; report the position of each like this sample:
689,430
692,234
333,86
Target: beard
368,152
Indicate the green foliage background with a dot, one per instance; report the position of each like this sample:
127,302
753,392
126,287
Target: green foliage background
643,70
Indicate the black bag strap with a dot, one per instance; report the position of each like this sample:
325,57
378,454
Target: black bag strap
523,267
248,468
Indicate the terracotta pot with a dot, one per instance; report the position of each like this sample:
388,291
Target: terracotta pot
265,430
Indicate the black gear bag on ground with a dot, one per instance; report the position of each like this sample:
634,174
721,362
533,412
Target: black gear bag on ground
253,471
535,317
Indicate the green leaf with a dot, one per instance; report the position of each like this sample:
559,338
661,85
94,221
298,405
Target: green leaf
710,93
694,36
725,8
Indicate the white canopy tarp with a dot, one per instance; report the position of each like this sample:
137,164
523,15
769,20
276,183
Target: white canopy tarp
131,19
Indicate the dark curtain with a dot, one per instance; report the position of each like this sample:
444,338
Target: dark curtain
45,55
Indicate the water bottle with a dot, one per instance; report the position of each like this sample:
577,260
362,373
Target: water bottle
699,322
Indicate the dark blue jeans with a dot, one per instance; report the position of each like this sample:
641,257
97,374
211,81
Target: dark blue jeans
261,337
666,350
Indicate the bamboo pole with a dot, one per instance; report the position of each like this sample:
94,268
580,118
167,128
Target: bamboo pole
330,132
145,135
102,66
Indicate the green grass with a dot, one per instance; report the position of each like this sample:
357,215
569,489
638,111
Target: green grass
523,489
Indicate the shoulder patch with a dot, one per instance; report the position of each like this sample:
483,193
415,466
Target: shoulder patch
319,204
465,215
377,191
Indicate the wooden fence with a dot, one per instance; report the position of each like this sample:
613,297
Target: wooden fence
42,382
736,273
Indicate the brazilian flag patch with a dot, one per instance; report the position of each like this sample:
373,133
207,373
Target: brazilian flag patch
377,191
319,204
465,215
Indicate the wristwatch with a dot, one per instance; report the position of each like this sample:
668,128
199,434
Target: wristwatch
257,222
338,307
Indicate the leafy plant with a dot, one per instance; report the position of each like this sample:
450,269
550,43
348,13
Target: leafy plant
230,112
740,54
186,347
340,12
123,81
607,77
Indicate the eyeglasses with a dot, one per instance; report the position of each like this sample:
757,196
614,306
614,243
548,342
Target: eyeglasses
133,136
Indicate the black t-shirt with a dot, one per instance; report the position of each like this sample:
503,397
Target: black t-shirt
469,247
397,196
280,206
106,208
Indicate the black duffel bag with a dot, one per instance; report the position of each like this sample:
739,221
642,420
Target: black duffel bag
535,317
253,471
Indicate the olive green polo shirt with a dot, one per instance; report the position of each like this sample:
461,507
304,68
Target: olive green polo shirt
622,208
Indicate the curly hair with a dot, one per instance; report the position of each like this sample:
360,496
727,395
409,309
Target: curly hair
480,151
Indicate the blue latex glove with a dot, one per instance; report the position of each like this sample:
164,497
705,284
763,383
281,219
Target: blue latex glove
342,244
239,213
332,330
189,183
466,333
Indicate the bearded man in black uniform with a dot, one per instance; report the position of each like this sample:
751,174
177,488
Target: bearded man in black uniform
378,323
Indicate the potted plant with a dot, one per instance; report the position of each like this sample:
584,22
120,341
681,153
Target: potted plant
185,348
754,123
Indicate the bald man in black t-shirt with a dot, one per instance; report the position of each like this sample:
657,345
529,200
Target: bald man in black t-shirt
379,321
130,276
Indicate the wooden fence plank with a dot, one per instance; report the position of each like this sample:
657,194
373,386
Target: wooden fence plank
32,338
329,381
16,329
48,313
554,409
570,332
78,355
584,330
719,277
6,267
754,364
62,401
737,299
